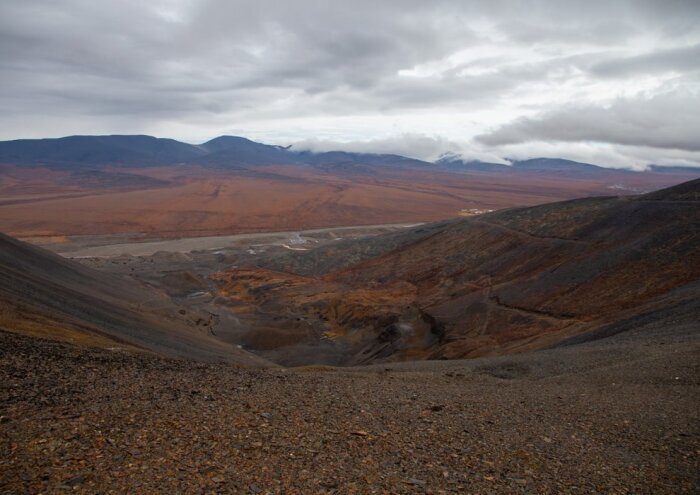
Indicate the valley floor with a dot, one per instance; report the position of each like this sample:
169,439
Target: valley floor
105,246
618,415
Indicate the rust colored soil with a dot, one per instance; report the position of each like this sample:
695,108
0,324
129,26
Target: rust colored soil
192,201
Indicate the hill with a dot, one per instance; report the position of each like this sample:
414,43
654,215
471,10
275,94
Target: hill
499,283
565,167
505,282
226,151
46,295
90,151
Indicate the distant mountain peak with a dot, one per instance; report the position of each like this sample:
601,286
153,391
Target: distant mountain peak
449,156
139,150
546,163
456,161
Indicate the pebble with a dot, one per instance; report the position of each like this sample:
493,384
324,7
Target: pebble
98,422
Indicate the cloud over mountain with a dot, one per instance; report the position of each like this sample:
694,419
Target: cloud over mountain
363,72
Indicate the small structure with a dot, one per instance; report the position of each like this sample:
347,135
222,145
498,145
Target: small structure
470,212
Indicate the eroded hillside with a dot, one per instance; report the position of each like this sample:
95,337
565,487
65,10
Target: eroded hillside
499,283
45,295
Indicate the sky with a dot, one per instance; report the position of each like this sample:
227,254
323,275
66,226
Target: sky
616,83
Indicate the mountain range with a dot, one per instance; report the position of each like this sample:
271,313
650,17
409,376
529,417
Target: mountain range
234,151
141,185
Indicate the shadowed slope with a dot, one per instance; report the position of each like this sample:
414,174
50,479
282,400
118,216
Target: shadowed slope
687,191
44,294
504,282
525,278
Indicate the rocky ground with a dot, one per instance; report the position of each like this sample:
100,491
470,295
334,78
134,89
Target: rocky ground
618,415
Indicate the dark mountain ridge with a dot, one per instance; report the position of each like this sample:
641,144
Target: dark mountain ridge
83,151
549,166
239,152
567,168
457,164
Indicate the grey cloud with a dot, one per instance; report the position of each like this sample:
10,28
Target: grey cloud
76,66
610,155
681,59
411,145
600,33
666,121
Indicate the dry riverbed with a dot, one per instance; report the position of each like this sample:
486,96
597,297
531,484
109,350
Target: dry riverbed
101,246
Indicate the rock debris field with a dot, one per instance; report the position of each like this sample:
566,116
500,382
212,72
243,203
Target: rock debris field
615,416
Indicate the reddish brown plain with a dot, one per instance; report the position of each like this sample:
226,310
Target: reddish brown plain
192,200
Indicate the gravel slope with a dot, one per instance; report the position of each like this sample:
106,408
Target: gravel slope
619,415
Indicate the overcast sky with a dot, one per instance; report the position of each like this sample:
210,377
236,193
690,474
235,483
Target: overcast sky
611,82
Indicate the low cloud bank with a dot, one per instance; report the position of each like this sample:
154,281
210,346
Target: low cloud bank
432,148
